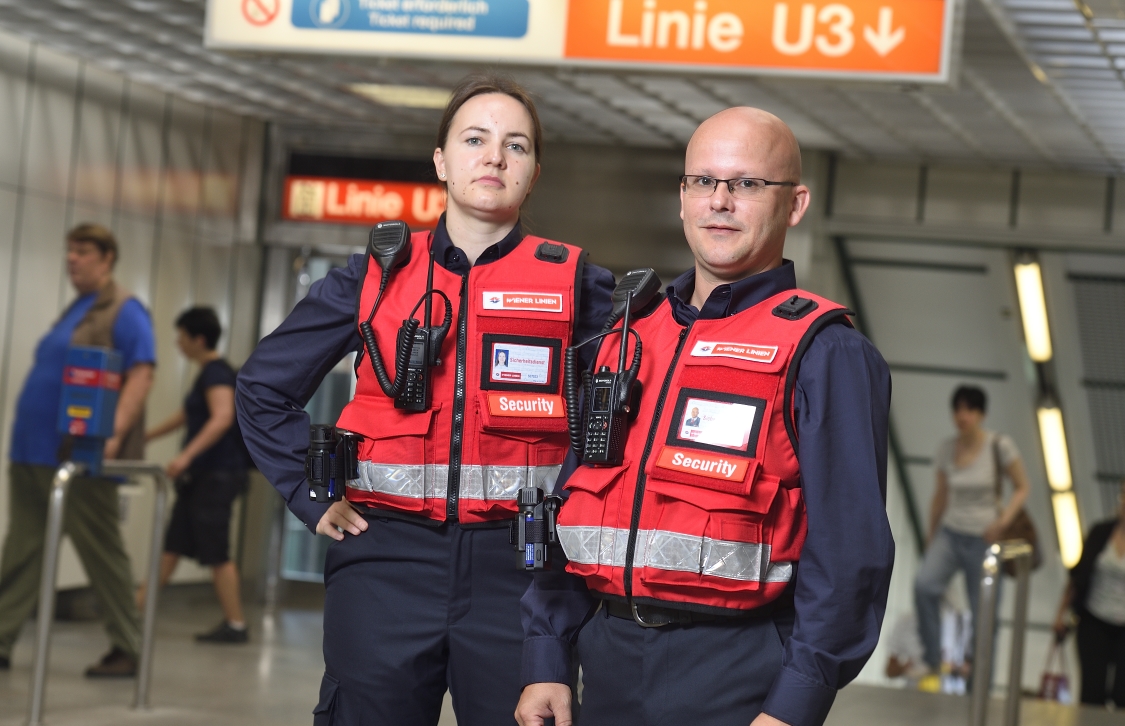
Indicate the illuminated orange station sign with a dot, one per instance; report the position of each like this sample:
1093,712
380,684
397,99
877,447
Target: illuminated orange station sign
899,40
866,36
359,201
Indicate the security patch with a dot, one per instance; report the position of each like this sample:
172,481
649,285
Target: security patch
526,405
714,466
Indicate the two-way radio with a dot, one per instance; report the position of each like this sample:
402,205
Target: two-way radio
424,346
418,346
597,434
332,460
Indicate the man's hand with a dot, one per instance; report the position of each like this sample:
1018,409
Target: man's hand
767,720
112,448
177,466
341,515
543,700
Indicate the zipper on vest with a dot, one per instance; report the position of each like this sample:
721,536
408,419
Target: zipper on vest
639,492
457,435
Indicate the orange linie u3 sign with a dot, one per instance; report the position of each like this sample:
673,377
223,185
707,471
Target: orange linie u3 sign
892,40
900,37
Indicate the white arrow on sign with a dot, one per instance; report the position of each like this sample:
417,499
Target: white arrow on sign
884,40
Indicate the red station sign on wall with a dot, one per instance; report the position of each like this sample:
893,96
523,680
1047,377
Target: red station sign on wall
362,201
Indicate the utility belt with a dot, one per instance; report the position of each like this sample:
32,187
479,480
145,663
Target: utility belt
656,616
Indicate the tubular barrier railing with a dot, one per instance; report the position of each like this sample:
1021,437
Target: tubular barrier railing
1018,552
65,474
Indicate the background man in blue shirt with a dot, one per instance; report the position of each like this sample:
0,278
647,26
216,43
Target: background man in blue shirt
785,664
106,315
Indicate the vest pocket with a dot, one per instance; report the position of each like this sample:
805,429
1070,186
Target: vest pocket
396,460
707,538
790,526
593,546
506,461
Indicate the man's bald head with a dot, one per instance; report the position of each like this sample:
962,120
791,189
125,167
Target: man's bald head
759,136
733,237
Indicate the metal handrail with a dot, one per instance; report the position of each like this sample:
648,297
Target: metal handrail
1019,552
53,540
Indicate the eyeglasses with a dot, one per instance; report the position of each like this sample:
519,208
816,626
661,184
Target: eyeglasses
746,188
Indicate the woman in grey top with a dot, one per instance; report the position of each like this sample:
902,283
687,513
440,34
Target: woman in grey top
966,516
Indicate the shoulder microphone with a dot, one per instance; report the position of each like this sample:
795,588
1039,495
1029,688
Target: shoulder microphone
389,246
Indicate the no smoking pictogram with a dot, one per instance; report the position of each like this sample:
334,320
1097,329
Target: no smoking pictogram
260,12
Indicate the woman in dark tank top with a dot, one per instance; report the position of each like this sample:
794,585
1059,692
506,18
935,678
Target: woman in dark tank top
210,472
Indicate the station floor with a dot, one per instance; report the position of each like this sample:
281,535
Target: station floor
275,679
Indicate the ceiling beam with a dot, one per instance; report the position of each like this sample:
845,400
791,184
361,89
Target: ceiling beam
569,80
951,125
1004,111
1011,32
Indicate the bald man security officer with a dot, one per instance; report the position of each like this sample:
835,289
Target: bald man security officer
734,569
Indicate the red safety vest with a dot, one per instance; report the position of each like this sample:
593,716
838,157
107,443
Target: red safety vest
502,427
707,504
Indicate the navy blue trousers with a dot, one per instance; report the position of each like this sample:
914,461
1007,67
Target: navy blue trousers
704,674
411,610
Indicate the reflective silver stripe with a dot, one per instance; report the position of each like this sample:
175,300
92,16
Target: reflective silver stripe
431,481
663,550
735,560
780,572
504,482
594,545
414,481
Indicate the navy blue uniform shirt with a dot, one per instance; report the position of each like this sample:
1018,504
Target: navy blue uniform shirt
288,365
841,402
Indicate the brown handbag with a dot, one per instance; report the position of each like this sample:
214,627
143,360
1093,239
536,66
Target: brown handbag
1021,526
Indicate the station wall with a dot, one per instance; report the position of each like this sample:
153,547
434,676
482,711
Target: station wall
178,185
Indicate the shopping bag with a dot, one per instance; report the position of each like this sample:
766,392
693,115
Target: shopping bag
1054,685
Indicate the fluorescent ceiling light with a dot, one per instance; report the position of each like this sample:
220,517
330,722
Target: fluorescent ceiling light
406,96
1068,526
1055,455
1033,308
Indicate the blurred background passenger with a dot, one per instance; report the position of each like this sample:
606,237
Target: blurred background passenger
210,472
905,649
966,516
106,315
1095,594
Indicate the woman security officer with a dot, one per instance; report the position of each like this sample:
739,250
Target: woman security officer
422,586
